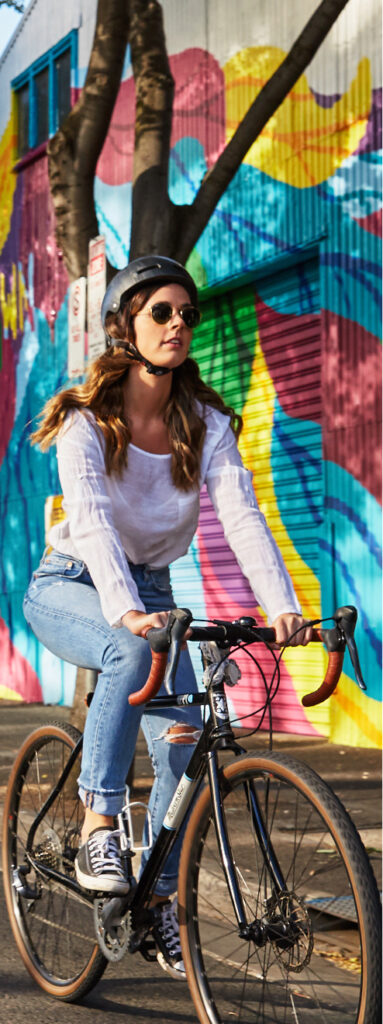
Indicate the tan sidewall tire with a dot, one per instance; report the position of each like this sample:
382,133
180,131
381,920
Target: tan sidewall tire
96,963
310,785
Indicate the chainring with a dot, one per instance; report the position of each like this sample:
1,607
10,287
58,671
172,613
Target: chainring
113,929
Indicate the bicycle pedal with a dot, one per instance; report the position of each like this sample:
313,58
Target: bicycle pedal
148,950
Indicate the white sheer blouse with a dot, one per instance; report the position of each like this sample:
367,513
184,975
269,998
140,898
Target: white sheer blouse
141,517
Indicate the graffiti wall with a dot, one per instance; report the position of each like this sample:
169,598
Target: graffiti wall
293,341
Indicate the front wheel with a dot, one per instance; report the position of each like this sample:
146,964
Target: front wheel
53,926
310,950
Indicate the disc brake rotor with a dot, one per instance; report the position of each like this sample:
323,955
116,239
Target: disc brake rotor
295,947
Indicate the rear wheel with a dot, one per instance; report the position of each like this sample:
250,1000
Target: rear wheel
309,953
53,926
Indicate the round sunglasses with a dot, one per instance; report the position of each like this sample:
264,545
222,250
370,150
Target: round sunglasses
162,312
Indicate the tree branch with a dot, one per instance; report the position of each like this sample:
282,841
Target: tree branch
74,150
196,216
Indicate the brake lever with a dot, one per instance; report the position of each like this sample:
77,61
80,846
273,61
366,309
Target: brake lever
169,636
336,640
179,620
346,619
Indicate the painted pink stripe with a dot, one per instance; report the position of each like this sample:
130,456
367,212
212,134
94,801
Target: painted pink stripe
16,672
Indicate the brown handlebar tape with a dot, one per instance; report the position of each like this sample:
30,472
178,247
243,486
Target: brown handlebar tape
154,680
334,669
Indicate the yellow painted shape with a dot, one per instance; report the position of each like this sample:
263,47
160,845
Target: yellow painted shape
53,513
13,302
255,446
8,302
7,694
350,716
356,717
303,143
8,180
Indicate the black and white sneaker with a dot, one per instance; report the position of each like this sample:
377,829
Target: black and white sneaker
167,938
98,863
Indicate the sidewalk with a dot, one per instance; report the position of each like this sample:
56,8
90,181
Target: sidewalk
354,773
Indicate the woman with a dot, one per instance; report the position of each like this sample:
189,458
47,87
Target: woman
135,443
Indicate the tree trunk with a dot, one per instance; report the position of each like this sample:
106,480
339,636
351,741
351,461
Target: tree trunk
86,680
74,151
151,207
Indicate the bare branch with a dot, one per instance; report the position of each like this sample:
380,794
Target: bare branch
196,216
74,150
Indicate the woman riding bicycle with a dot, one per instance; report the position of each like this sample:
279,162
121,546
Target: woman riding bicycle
135,444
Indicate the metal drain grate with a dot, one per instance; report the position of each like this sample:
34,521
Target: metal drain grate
342,907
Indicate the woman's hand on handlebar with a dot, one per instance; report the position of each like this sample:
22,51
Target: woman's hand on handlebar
287,624
139,622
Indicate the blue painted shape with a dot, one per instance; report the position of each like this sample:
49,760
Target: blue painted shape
28,353
114,214
297,478
351,260
27,476
187,167
350,549
293,291
356,186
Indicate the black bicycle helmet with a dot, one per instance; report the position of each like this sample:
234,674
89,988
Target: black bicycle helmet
141,272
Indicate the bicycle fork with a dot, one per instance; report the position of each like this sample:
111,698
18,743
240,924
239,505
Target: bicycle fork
246,930
222,736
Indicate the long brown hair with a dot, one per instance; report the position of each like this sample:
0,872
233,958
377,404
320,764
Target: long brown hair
103,393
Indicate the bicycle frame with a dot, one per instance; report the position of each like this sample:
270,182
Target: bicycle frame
247,929
217,734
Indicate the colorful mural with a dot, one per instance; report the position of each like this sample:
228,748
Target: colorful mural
309,188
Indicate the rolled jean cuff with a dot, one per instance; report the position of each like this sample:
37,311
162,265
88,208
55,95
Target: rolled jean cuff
102,803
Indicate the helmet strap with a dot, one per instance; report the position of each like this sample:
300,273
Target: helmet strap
132,350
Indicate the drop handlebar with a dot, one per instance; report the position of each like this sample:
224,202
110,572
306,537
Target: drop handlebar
245,631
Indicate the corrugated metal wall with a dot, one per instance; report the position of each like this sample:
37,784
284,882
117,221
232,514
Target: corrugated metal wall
310,182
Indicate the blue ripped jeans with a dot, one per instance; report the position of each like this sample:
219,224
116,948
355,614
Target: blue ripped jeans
63,608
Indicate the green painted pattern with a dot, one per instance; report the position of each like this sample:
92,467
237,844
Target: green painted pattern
224,344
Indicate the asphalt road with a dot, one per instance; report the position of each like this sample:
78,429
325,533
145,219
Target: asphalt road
132,989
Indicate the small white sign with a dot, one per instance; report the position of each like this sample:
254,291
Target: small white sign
96,292
76,327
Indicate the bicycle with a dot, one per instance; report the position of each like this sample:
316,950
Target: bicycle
270,858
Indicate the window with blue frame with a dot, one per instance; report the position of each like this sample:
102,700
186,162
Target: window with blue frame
43,94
